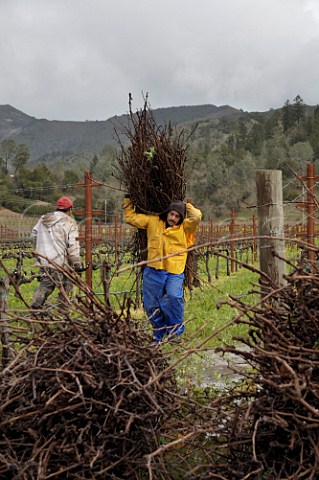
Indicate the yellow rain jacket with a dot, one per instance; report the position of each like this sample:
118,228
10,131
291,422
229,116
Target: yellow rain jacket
162,241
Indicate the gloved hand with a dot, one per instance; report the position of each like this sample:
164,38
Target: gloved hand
78,267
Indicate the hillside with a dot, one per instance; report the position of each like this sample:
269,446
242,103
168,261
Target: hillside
223,154
50,139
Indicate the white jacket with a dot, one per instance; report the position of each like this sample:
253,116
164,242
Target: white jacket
56,236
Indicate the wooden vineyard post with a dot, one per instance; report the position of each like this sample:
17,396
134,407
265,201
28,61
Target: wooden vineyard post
232,242
88,212
4,336
116,240
271,225
310,211
255,239
310,205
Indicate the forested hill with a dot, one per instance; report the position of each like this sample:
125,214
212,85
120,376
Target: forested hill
50,139
224,151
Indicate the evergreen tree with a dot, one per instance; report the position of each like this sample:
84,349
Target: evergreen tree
298,109
255,139
287,116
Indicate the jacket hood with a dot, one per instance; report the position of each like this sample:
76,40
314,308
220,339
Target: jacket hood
52,218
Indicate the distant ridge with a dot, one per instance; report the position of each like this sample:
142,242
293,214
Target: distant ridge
49,139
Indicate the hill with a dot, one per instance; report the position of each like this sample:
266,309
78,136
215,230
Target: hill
224,152
52,139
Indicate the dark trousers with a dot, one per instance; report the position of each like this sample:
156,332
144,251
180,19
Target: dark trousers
51,279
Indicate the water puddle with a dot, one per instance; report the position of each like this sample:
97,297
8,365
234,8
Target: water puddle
214,369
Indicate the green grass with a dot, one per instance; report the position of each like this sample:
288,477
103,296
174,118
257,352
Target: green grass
206,307
207,316
202,309
204,313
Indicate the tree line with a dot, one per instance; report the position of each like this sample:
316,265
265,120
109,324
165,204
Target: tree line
222,157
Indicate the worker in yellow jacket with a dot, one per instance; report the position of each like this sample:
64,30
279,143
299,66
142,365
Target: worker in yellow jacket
167,234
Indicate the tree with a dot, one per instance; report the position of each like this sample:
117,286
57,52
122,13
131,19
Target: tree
242,134
298,109
93,163
2,167
314,136
227,156
287,116
7,151
38,184
106,165
255,139
274,153
21,157
300,154
70,178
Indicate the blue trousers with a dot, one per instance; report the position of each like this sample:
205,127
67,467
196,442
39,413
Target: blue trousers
164,301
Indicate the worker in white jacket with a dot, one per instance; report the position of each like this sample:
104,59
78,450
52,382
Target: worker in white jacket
56,239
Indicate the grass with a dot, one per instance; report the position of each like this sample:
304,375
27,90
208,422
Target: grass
207,316
206,308
203,313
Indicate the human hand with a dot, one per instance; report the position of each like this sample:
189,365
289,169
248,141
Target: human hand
78,267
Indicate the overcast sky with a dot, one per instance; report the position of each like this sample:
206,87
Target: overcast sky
79,59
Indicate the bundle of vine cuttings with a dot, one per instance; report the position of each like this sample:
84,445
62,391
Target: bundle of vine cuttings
84,397
151,163
271,429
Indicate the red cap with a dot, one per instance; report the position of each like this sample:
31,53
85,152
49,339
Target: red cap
64,203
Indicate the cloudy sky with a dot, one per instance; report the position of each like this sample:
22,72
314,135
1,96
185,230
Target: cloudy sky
79,59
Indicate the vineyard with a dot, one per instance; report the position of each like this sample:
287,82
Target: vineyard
85,394
236,241
82,382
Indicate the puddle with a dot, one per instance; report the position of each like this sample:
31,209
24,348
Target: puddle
211,369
